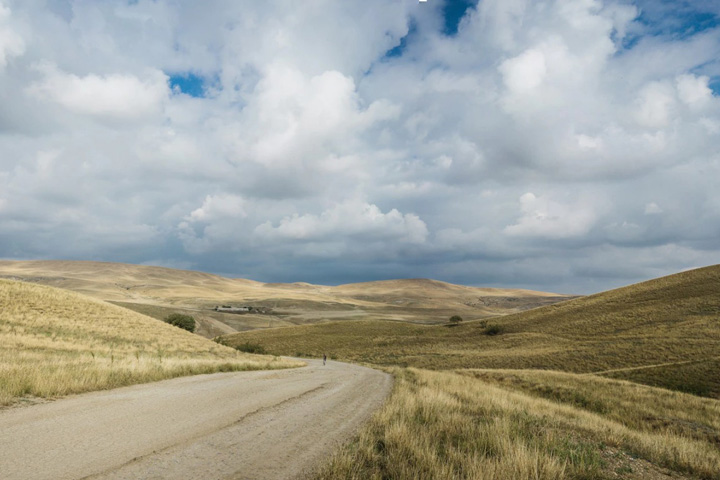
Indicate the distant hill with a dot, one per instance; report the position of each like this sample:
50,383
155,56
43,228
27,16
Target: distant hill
158,291
124,282
423,291
664,332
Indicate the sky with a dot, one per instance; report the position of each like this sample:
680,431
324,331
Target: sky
561,145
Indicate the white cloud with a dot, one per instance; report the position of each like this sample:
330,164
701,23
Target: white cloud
587,142
652,208
218,224
352,219
693,90
524,72
292,115
11,43
219,207
502,19
621,16
121,96
572,98
655,103
543,217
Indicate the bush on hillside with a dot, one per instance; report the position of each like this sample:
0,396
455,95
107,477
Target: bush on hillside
493,330
185,322
455,319
248,347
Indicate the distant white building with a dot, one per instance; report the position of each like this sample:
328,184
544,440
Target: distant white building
231,309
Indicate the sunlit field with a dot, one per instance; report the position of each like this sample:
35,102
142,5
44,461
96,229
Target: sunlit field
541,394
56,343
503,425
664,333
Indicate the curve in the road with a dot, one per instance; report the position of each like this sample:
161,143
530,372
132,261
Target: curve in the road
263,424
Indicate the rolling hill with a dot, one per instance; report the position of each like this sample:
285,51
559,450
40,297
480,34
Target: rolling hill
554,392
158,291
664,332
551,393
56,342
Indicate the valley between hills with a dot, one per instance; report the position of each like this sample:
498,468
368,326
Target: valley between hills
158,291
620,384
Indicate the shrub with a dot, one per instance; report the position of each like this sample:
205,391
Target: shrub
248,347
185,322
493,330
455,319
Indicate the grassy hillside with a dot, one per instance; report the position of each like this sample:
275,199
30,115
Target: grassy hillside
664,332
540,394
149,290
536,394
56,342
529,424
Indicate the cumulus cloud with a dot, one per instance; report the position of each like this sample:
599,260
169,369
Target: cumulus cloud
217,224
693,90
219,207
357,220
293,114
121,96
11,43
538,146
655,104
543,217
524,72
353,228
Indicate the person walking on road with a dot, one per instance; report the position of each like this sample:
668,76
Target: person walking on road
324,358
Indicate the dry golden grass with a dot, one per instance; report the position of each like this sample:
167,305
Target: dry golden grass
452,425
473,422
415,300
700,377
670,327
503,423
639,407
56,342
209,323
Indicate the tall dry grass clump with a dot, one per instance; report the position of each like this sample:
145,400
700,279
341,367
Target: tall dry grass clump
638,407
450,425
56,342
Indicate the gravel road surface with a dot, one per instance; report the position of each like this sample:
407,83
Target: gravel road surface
247,425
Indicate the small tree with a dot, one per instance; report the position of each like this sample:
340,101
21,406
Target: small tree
455,319
185,322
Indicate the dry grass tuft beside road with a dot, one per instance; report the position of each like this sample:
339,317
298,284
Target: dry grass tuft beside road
488,425
638,407
56,343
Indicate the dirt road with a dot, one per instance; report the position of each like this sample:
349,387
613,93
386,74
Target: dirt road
246,425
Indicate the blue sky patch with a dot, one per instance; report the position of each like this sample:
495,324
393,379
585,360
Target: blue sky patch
188,83
714,85
454,11
398,50
678,18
